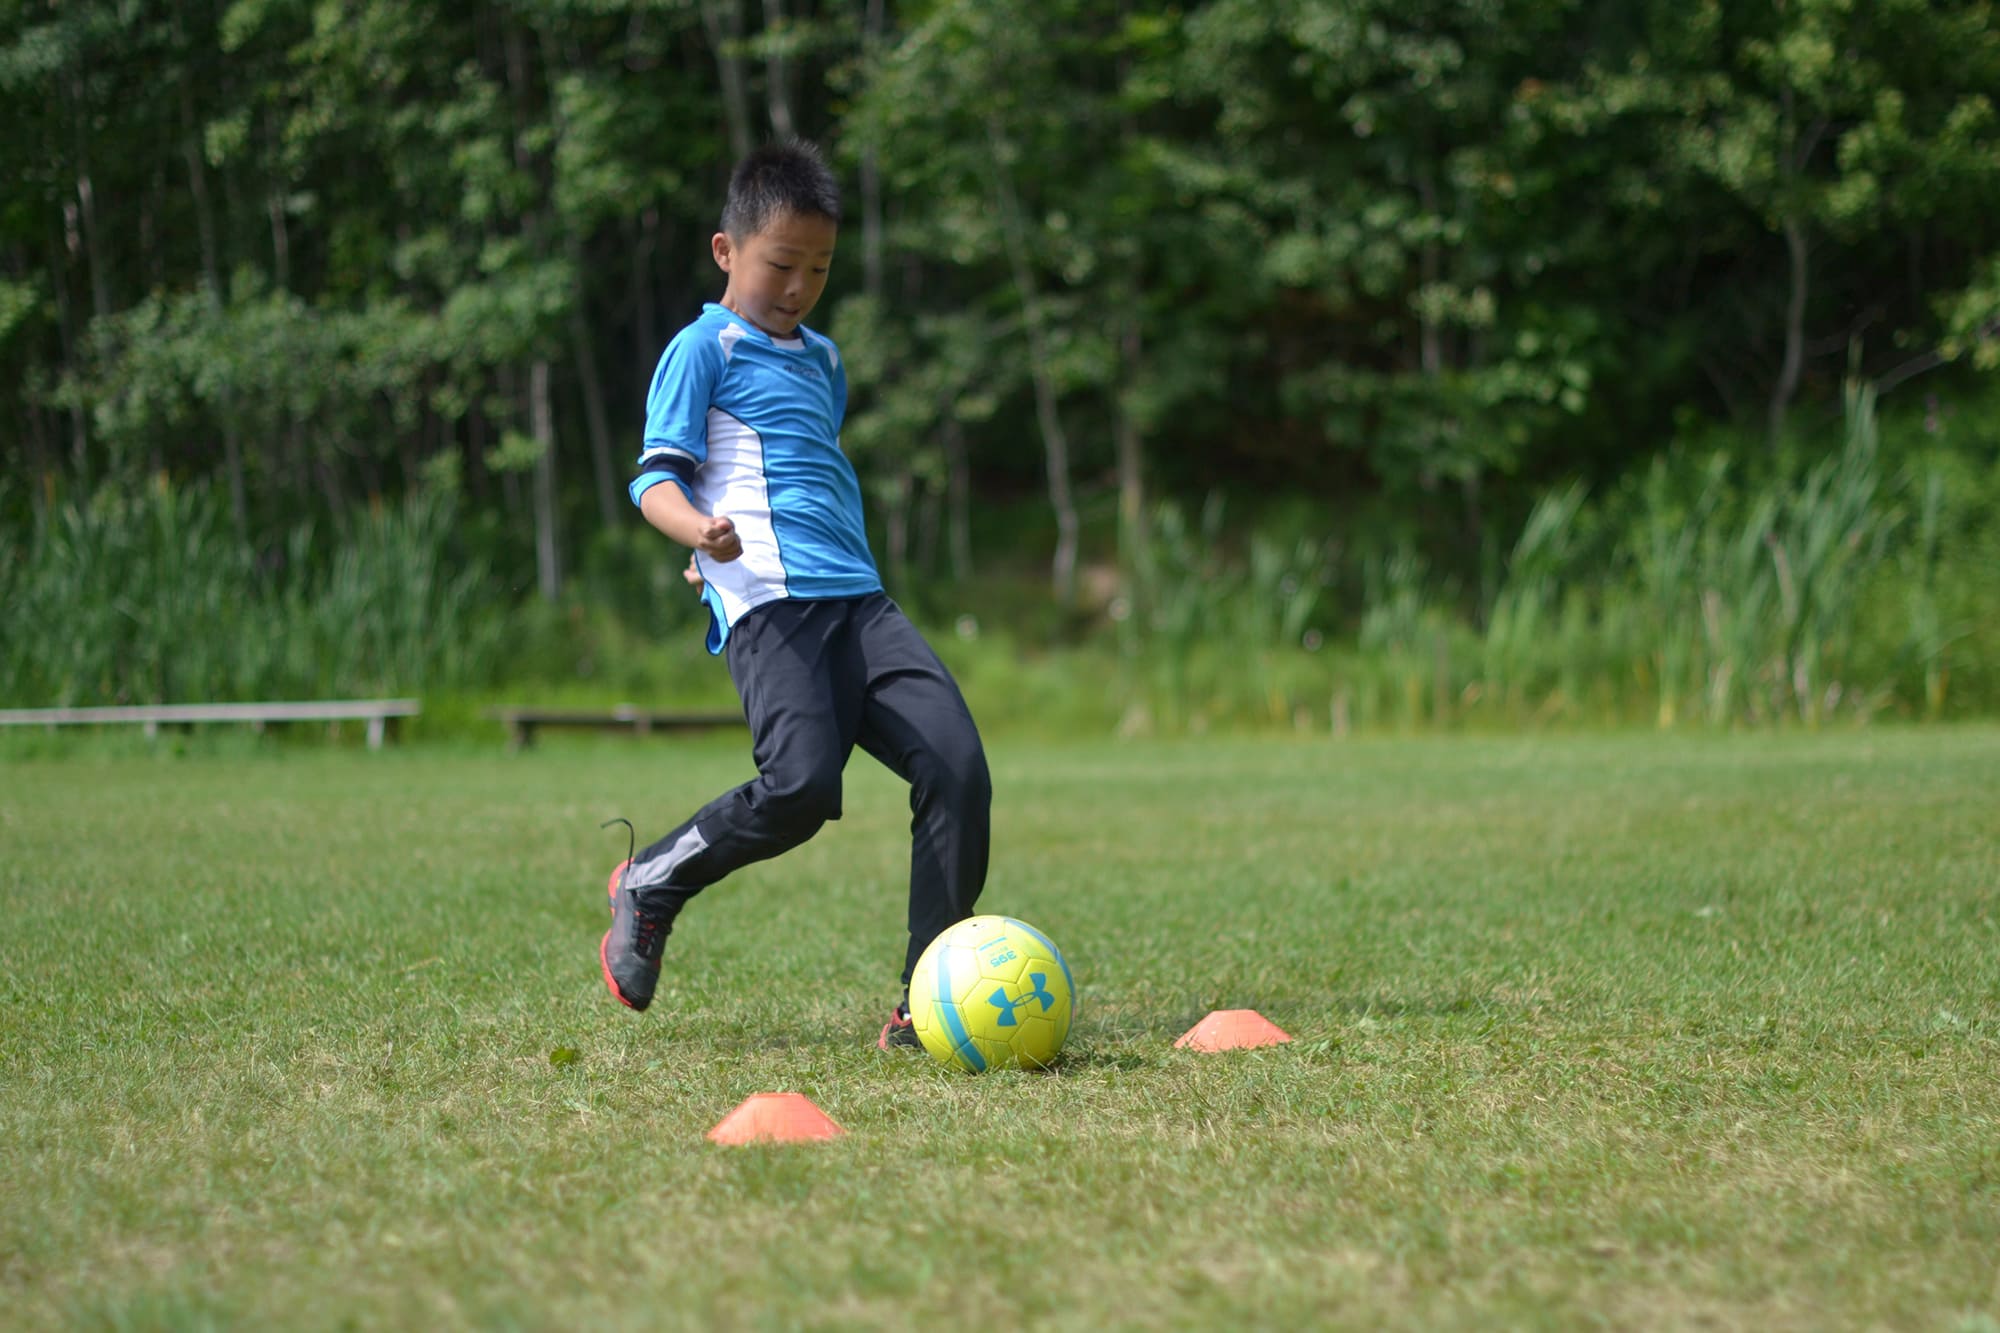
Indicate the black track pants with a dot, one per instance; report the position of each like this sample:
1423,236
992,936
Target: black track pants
817,679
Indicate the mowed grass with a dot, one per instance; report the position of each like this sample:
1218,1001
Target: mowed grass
1620,1031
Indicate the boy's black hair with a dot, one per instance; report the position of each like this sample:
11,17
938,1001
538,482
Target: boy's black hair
779,178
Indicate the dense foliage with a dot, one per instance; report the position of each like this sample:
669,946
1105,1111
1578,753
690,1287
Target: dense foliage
1396,281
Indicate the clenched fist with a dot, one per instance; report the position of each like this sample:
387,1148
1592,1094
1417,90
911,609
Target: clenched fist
718,539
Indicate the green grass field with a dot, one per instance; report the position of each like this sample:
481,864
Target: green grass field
1618,1031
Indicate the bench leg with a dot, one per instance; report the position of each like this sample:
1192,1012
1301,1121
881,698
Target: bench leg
375,733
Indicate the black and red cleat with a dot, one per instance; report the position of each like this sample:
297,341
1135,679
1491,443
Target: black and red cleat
630,951
899,1033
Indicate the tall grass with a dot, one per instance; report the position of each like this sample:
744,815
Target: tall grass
145,595
1831,537
1532,605
127,596
1665,549
1703,592
1931,633
1221,625
1757,598
393,609
1405,632
1700,594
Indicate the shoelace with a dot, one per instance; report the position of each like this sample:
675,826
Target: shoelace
651,932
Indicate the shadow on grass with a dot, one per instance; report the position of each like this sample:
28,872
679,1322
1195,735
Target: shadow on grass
1120,1037
1095,1056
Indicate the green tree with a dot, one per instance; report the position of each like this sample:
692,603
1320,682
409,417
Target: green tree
1831,172
1369,155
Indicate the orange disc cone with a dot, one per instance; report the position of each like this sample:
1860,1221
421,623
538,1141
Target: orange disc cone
1232,1030
775,1117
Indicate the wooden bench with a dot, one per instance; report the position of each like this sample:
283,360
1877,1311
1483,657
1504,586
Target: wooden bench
521,723
375,712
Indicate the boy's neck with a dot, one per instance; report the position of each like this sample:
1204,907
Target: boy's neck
797,335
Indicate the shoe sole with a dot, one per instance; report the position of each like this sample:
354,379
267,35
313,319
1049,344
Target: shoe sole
611,982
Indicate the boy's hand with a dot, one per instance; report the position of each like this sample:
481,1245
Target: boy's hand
693,576
719,539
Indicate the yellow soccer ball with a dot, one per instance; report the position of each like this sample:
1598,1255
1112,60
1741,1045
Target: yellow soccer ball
992,993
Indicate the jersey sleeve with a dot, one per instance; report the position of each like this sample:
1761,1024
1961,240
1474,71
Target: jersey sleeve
676,439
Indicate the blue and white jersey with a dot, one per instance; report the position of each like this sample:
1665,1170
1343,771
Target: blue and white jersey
748,426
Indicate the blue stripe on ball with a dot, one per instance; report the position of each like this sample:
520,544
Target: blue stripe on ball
962,1045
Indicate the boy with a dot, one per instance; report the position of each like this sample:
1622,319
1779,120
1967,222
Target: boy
742,463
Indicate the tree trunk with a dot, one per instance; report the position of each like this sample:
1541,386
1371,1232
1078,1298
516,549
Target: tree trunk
151,262
541,416
204,212
79,425
777,91
1792,163
929,507
510,477
1430,261
1795,333
40,473
1055,443
646,346
298,457
211,281
723,21
872,22
958,483
896,532
281,241
475,446
275,197
86,199
536,230
1133,527
609,507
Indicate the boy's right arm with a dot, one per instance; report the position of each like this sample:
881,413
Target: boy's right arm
669,510
676,443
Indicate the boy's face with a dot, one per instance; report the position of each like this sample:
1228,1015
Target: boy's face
776,274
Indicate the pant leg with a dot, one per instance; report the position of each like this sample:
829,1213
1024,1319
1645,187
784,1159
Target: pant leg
915,721
788,661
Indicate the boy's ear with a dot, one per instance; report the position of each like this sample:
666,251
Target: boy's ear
718,245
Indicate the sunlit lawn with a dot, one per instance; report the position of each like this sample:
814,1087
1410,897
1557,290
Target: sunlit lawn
1627,1031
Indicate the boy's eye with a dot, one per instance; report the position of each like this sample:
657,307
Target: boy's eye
819,270
782,268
